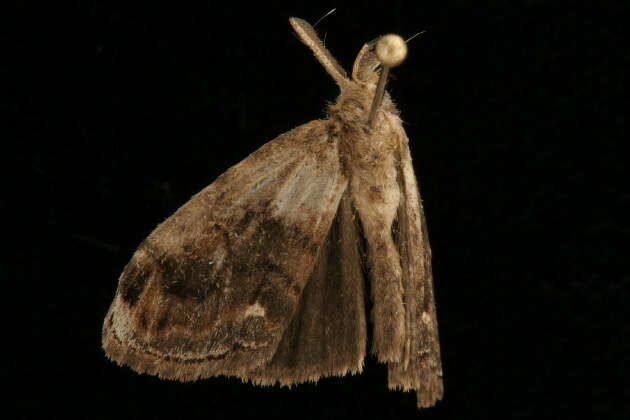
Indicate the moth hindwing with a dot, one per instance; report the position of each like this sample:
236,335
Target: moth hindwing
261,274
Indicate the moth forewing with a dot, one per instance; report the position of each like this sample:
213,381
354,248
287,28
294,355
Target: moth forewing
218,299
261,274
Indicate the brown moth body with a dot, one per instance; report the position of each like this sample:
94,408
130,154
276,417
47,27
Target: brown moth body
261,274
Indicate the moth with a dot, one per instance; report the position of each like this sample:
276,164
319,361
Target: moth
265,274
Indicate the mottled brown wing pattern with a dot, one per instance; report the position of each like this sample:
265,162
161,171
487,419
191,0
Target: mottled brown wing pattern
420,368
214,287
327,335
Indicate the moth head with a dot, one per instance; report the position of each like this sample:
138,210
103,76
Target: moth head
373,60
388,50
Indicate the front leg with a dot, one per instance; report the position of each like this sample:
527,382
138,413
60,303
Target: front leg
376,196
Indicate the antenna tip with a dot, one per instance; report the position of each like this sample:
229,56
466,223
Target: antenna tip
391,50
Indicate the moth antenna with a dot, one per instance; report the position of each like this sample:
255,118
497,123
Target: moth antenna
322,18
309,37
413,36
391,51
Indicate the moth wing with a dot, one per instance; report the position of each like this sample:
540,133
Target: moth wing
327,334
214,287
420,368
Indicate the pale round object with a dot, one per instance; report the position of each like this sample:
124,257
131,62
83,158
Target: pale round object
391,50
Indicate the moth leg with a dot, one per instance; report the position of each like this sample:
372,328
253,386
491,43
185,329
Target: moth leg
376,197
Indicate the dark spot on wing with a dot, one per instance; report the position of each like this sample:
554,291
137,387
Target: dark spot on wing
162,323
297,290
271,267
142,320
187,278
133,281
244,221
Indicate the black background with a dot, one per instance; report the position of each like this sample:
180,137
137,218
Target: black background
117,114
